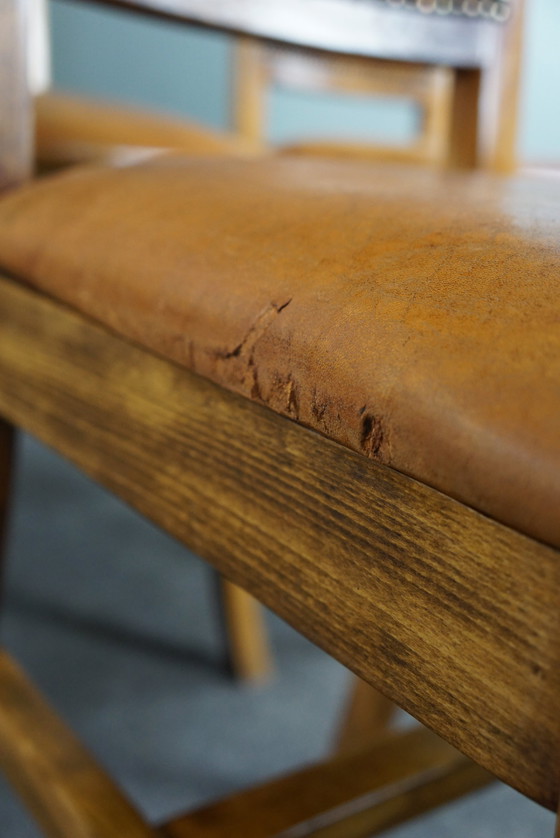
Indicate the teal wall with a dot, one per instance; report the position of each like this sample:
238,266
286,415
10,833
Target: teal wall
540,95
129,57
187,71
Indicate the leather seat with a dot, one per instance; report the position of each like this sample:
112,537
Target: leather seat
408,316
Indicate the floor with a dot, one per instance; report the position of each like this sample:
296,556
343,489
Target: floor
117,624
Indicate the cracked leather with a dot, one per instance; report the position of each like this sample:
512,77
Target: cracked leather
411,316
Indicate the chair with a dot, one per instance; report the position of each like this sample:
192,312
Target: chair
71,130
388,520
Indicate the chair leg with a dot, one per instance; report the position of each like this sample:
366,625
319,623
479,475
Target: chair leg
367,716
463,150
7,439
248,651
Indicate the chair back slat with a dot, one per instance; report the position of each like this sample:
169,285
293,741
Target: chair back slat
15,102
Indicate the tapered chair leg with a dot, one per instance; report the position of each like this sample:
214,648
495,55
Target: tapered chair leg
245,634
366,716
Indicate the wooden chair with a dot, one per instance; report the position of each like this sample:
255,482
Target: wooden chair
70,130
297,383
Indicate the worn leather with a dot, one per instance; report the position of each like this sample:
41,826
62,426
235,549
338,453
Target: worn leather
72,129
411,316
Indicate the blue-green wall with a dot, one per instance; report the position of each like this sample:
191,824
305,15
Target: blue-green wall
187,71
142,61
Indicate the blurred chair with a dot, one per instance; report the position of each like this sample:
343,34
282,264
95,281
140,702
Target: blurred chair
72,129
466,116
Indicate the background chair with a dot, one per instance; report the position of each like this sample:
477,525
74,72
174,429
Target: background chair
465,117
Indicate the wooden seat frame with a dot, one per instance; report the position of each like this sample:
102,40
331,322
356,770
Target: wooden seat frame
448,613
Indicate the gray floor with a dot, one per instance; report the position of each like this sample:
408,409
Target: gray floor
116,623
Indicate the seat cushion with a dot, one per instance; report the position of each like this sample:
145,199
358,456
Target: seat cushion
411,316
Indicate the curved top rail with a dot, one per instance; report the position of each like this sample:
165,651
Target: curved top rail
354,27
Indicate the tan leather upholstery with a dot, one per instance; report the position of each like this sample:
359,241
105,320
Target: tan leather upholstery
410,316
72,129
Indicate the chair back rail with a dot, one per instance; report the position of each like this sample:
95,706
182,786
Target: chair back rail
353,27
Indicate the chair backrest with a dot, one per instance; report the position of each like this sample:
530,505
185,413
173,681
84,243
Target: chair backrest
462,34
468,40
473,71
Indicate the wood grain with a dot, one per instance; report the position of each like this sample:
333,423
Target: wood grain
67,792
15,102
356,796
450,614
